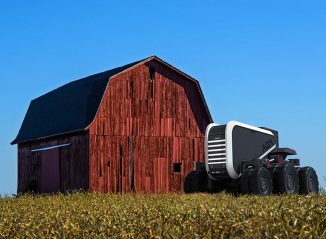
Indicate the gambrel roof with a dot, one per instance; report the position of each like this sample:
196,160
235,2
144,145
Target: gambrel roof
72,107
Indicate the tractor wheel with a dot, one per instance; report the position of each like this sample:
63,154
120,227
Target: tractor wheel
260,182
308,181
215,186
187,183
244,181
196,181
234,187
286,179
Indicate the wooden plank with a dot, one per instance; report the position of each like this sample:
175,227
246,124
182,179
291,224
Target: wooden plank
73,164
161,128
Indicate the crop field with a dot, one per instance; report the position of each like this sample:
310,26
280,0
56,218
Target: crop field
85,215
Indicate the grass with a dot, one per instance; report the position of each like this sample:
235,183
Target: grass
84,215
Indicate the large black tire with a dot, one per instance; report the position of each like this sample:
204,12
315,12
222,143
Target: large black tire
260,182
308,181
196,181
215,186
286,179
244,181
234,187
187,183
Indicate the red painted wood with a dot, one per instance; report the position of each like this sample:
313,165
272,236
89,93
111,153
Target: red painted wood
154,123
166,120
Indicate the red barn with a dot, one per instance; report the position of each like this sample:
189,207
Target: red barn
135,128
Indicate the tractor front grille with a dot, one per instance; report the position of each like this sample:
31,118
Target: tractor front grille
216,151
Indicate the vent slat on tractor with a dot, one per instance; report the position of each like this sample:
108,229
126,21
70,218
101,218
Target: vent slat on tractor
216,152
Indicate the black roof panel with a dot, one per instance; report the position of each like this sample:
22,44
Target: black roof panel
71,107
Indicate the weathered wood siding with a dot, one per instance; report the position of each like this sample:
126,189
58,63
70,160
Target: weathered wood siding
151,123
73,163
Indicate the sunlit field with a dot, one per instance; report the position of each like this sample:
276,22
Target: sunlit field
84,215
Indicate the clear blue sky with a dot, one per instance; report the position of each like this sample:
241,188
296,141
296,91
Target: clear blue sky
259,62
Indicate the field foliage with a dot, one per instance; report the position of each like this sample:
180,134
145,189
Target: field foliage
84,215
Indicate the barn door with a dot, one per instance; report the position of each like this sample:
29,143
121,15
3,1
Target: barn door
50,171
34,183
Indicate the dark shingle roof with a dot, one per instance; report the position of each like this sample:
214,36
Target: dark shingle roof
71,107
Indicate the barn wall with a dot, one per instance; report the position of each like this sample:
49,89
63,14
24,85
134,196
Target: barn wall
73,163
155,122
